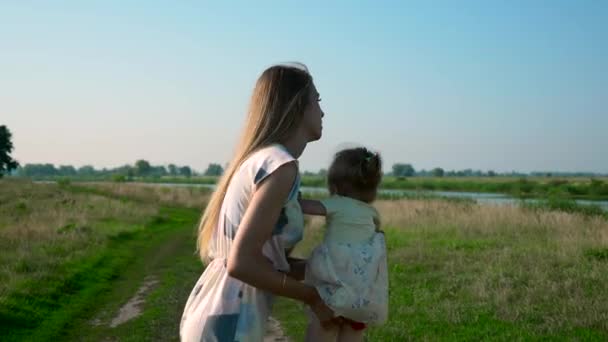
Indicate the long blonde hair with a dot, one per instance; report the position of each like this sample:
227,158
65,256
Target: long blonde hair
279,99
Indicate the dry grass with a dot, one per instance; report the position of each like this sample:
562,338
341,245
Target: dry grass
527,272
41,209
569,231
185,196
43,226
63,246
545,270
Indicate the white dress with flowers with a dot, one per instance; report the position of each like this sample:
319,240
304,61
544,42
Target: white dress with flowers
221,308
349,267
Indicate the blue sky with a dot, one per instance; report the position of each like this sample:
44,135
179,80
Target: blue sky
501,85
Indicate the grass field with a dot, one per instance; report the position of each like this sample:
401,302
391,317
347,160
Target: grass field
72,255
575,188
525,187
467,272
557,187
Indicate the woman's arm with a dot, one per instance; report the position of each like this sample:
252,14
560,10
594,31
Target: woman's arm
246,261
312,207
297,268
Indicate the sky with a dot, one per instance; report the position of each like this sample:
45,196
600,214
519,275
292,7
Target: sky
489,85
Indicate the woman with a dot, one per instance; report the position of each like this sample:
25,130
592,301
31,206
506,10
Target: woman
254,217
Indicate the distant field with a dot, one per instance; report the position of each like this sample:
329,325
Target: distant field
572,187
72,255
526,187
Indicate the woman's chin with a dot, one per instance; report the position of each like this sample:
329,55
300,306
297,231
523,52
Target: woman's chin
316,136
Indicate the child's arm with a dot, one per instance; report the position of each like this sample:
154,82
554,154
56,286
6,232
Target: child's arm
377,223
312,207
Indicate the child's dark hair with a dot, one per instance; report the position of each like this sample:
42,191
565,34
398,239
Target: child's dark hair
355,171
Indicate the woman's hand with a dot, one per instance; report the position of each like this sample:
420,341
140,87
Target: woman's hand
324,313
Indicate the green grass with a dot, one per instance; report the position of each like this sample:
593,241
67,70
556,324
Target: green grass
458,271
165,258
47,309
455,279
566,205
73,255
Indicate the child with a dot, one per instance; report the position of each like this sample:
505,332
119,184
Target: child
349,267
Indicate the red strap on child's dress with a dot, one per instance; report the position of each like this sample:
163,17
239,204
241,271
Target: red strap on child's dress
357,325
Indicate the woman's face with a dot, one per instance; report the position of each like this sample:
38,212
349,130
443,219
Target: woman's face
312,119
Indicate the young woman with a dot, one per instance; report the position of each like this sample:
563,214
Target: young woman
254,217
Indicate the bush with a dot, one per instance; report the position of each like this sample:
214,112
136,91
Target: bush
598,188
64,181
119,178
567,205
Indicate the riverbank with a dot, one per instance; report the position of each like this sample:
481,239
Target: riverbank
580,188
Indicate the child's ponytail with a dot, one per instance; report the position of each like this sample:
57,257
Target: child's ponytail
355,170
371,168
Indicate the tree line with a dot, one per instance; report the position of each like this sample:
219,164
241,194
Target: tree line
143,168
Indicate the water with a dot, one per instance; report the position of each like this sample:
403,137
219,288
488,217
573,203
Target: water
479,197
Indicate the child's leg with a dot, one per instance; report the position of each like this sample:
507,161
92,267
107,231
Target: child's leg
316,333
348,334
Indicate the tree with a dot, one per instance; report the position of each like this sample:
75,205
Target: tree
172,169
403,170
423,173
37,170
491,173
86,170
437,172
142,168
185,171
214,170
7,163
66,170
125,171
158,171
130,173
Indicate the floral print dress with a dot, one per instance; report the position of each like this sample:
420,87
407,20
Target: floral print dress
221,308
349,267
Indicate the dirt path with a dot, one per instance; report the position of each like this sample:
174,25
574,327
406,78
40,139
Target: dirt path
133,307
275,332
147,299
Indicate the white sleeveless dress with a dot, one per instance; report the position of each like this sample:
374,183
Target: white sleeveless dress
349,268
221,308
